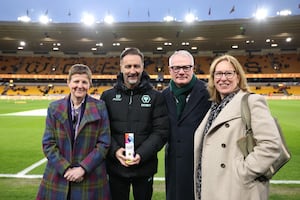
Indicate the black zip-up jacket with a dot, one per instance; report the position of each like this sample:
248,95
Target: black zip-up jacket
141,111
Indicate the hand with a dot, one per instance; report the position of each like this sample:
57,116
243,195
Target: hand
135,161
74,174
120,156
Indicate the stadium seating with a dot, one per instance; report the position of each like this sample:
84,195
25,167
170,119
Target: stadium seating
281,63
155,65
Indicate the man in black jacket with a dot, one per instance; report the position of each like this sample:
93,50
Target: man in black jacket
134,107
187,101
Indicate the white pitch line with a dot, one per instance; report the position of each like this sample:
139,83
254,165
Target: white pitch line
21,176
159,178
31,167
296,182
37,112
285,182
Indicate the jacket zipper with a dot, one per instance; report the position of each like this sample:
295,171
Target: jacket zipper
130,97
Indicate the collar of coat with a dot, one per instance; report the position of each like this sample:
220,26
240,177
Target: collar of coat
90,111
143,86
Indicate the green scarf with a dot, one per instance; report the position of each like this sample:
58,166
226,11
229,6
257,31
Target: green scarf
181,93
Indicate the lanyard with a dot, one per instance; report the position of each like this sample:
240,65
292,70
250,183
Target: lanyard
76,117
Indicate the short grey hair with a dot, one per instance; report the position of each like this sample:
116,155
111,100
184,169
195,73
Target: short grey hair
80,69
184,53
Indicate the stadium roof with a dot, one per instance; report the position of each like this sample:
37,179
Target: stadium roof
234,35
141,11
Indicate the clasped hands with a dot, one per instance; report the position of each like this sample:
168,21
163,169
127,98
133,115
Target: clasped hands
74,174
120,155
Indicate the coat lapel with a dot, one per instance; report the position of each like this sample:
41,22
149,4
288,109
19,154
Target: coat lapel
171,102
61,114
229,112
90,113
191,104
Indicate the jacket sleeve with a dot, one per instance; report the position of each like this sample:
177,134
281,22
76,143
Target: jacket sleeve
160,130
113,145
267,148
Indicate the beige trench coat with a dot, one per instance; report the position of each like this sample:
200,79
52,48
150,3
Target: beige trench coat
225,173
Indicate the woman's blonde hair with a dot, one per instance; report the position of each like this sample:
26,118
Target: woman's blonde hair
242,84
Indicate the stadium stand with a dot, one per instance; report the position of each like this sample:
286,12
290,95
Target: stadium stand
270,63
269,74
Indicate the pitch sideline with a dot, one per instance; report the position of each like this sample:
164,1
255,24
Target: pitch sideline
23,174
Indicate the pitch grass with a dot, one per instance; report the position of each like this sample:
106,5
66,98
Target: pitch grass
26,189
20,146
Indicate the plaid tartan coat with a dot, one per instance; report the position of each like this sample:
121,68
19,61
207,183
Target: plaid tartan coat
89,151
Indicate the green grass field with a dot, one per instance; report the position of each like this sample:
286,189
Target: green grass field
20,147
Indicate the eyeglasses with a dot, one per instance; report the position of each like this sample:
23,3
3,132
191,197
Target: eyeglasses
186,68
228,74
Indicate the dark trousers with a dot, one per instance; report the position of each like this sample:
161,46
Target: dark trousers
120,187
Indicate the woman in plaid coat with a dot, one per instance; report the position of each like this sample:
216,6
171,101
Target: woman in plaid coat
75,142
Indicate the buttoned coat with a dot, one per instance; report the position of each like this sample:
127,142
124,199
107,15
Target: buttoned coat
89,151
179,159
226,175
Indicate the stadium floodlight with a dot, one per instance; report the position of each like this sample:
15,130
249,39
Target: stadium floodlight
261,14
189,18
44,19
185,43
22,43
289,39
21,46
109,19
24,18
169,18
88,19
284,12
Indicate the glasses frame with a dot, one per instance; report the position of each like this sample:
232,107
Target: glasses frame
228,74
185,68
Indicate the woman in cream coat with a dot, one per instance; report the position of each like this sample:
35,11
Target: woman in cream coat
221,171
